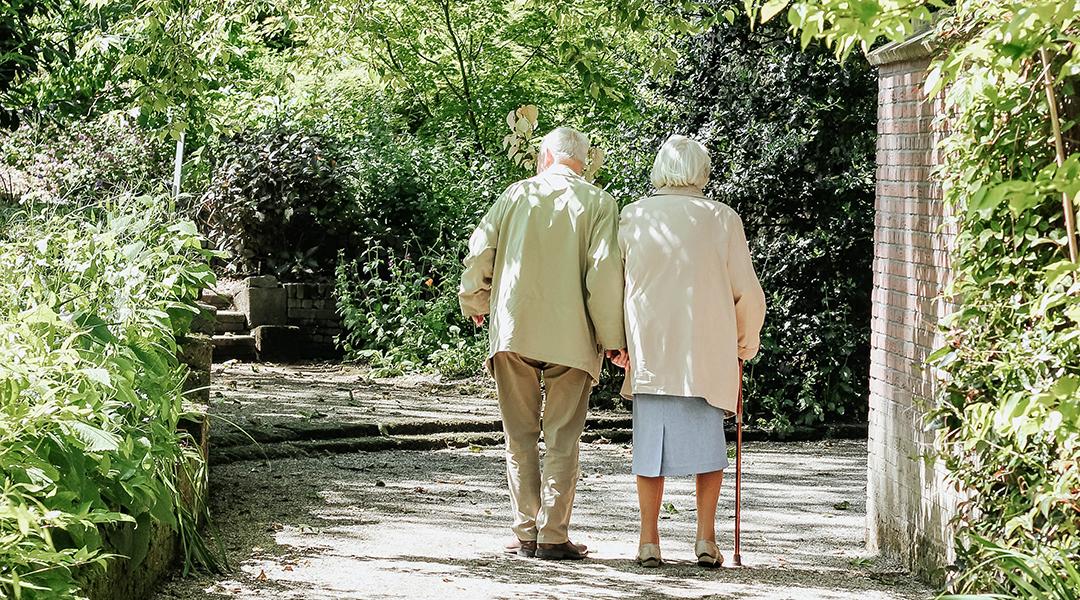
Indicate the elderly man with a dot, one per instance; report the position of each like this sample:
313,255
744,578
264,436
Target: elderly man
545,263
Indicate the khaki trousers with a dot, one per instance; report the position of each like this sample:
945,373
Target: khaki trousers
541,501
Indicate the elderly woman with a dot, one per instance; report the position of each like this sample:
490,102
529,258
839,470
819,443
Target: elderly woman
694,309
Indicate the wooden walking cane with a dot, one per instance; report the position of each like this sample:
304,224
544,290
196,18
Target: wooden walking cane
737,558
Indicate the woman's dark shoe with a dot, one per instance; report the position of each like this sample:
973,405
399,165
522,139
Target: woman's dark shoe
564,551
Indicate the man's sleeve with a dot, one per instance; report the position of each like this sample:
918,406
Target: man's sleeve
604,278
746,290
474,293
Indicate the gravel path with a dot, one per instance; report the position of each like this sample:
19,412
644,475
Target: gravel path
429,524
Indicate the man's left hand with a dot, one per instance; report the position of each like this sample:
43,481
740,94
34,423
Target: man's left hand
478,319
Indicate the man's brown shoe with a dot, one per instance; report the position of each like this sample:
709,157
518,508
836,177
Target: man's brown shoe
564,551
526,548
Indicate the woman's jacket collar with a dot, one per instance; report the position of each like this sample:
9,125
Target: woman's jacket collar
684,190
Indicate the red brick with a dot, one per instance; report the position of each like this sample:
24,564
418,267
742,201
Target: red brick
918,239
941,274
930,223
904,142
922,191
906,110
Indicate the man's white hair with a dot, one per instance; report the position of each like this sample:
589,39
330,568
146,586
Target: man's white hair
681,162
565,143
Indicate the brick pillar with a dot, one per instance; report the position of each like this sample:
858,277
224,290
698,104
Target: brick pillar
908,506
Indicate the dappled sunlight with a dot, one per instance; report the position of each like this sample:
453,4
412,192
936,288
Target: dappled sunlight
390,524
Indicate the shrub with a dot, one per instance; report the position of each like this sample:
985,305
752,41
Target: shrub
87,160
792,138
90,388
401,314
274,202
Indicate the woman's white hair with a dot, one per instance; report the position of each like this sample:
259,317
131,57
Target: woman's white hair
681,162
565,143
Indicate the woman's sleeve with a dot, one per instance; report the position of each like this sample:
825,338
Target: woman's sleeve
746,291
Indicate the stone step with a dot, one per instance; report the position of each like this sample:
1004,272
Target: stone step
228,346
212,298
230,321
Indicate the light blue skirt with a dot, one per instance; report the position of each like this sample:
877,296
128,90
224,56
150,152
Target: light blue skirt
677,435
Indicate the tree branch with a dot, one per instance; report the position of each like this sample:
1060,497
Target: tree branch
464,75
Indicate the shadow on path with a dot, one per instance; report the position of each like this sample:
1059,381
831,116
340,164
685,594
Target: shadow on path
411,524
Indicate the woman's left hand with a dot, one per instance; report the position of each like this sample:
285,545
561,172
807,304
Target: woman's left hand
619,358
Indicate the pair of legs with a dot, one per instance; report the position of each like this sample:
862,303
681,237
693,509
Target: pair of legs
541,499
650,497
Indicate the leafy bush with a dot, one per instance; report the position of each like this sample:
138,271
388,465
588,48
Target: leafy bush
274,202
88,159
90,388
1009,416
792,138
402,314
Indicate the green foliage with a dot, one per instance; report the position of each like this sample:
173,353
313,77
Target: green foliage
1045,575
21,51
90,387
792,137
92,159
452,61
275,200
1009,417
401,314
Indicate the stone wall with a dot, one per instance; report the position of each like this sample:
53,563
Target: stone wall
908,504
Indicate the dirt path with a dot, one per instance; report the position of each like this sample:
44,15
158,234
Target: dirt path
429,524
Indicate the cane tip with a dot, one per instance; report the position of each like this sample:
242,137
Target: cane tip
736,560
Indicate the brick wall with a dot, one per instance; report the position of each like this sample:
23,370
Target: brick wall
908,505
313,308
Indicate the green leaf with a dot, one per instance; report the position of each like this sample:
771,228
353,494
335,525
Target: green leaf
95,440
772,8
100,376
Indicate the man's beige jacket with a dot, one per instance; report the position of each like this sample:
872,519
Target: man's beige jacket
694,306
545,264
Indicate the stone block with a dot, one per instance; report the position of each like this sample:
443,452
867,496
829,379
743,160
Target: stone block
196,388
262,281
241,347
196,351
263,305
278,342
204,322
221,302
230,320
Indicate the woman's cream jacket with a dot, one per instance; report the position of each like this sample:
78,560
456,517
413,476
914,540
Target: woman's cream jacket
693,304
